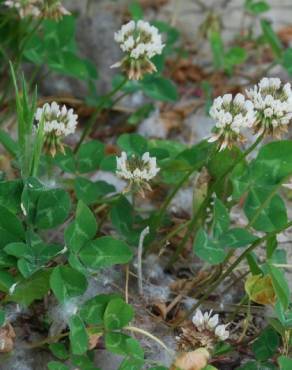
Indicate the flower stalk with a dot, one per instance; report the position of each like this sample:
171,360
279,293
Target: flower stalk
90,124
193,225
230,269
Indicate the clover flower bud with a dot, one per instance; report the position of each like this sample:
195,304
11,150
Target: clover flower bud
138,171
273,106
58,122
140,42
232,115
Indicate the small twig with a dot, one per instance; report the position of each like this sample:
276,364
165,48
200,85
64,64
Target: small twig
235,281
282,265
176,300
175,13
127,285
246,322
143,235
47,340
149,335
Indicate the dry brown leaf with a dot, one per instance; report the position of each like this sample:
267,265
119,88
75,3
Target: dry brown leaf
220,83
111,149
184,70
94,339
7,336
5,166
159,309
285,34
186,285
195,360
172,120
260,289
154,4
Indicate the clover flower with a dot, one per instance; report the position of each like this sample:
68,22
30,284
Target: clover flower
26,8
58,122
208,322
138,171
141,42
232,115
204,331
221,332
199,320
52,9
273,105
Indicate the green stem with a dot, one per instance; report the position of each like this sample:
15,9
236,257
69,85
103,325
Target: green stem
168,200
26,40
246,322
197,216
171,234
48,340
97,111
238,308
34,74
266,202
120,97
231,268
172,195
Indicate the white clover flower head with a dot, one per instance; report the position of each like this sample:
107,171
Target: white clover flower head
232,116
58,122
137,170
52,9
26,8
140,42
209,323
221,332
273,106
206,320
57,119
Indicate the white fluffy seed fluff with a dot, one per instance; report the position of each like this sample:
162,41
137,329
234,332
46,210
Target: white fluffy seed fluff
273,104
139,39
137,169
208,322
57,120
231,115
